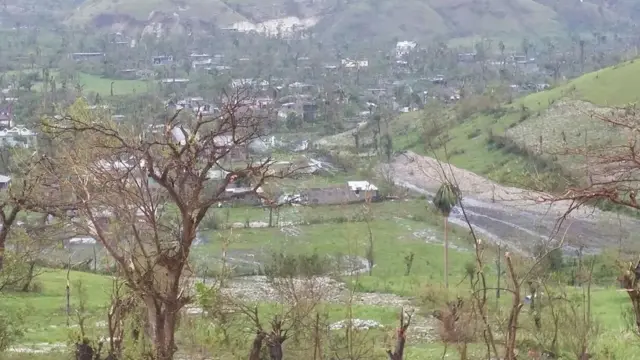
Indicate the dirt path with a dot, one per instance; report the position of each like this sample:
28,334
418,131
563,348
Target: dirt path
511,215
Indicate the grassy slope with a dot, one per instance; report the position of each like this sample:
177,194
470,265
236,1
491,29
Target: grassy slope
613,86
216,10
382,20
44,311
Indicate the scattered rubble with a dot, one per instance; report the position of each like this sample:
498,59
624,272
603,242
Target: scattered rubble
356,324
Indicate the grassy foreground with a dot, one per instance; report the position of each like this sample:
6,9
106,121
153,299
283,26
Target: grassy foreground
399,228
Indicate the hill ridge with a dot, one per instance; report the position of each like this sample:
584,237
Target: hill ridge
383,20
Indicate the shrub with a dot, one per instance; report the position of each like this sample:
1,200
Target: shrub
473,134
10,328
289,265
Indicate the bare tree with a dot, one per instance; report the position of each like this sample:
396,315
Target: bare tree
273,338
398,351
23,188
142,193
500,337
612,172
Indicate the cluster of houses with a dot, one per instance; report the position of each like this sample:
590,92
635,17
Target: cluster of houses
12,135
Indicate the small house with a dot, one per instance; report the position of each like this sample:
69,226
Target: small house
180,83
89,56
467,57
6,119
18,136
5,181
243,195
351,193
199,57
354,64
162,60
206,64
227,145
129,74
364,188
309,111
404,48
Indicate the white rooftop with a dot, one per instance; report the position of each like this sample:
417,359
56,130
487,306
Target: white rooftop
361,185
17,130
406,44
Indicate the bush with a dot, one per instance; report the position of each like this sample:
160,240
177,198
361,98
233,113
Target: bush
473,134
211,221
11,329
302,265
35,287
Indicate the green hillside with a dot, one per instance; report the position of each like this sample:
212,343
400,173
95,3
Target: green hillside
104,13
562,113
378,20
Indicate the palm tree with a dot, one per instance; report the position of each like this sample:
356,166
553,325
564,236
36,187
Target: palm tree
447,196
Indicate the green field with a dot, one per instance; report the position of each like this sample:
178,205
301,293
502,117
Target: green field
398,227
44,310
92,83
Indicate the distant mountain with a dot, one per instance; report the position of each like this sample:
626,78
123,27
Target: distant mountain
372,21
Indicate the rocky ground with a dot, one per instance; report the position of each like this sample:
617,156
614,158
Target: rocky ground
325,289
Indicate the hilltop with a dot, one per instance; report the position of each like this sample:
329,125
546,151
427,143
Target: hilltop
351,21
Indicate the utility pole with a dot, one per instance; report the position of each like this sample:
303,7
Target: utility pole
499,274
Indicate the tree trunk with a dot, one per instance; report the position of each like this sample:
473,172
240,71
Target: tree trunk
3,240
275,348
29,279
163,323
163,319
398,352
446,254
7,221
254,354
1,254
516,306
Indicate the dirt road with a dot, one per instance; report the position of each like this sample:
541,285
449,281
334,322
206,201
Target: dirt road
512,216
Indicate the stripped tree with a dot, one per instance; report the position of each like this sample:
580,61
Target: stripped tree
401,340
27,189
142,191
611,171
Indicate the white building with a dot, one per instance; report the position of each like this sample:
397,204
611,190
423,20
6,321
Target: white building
18,136
361,186
404,47
350,64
